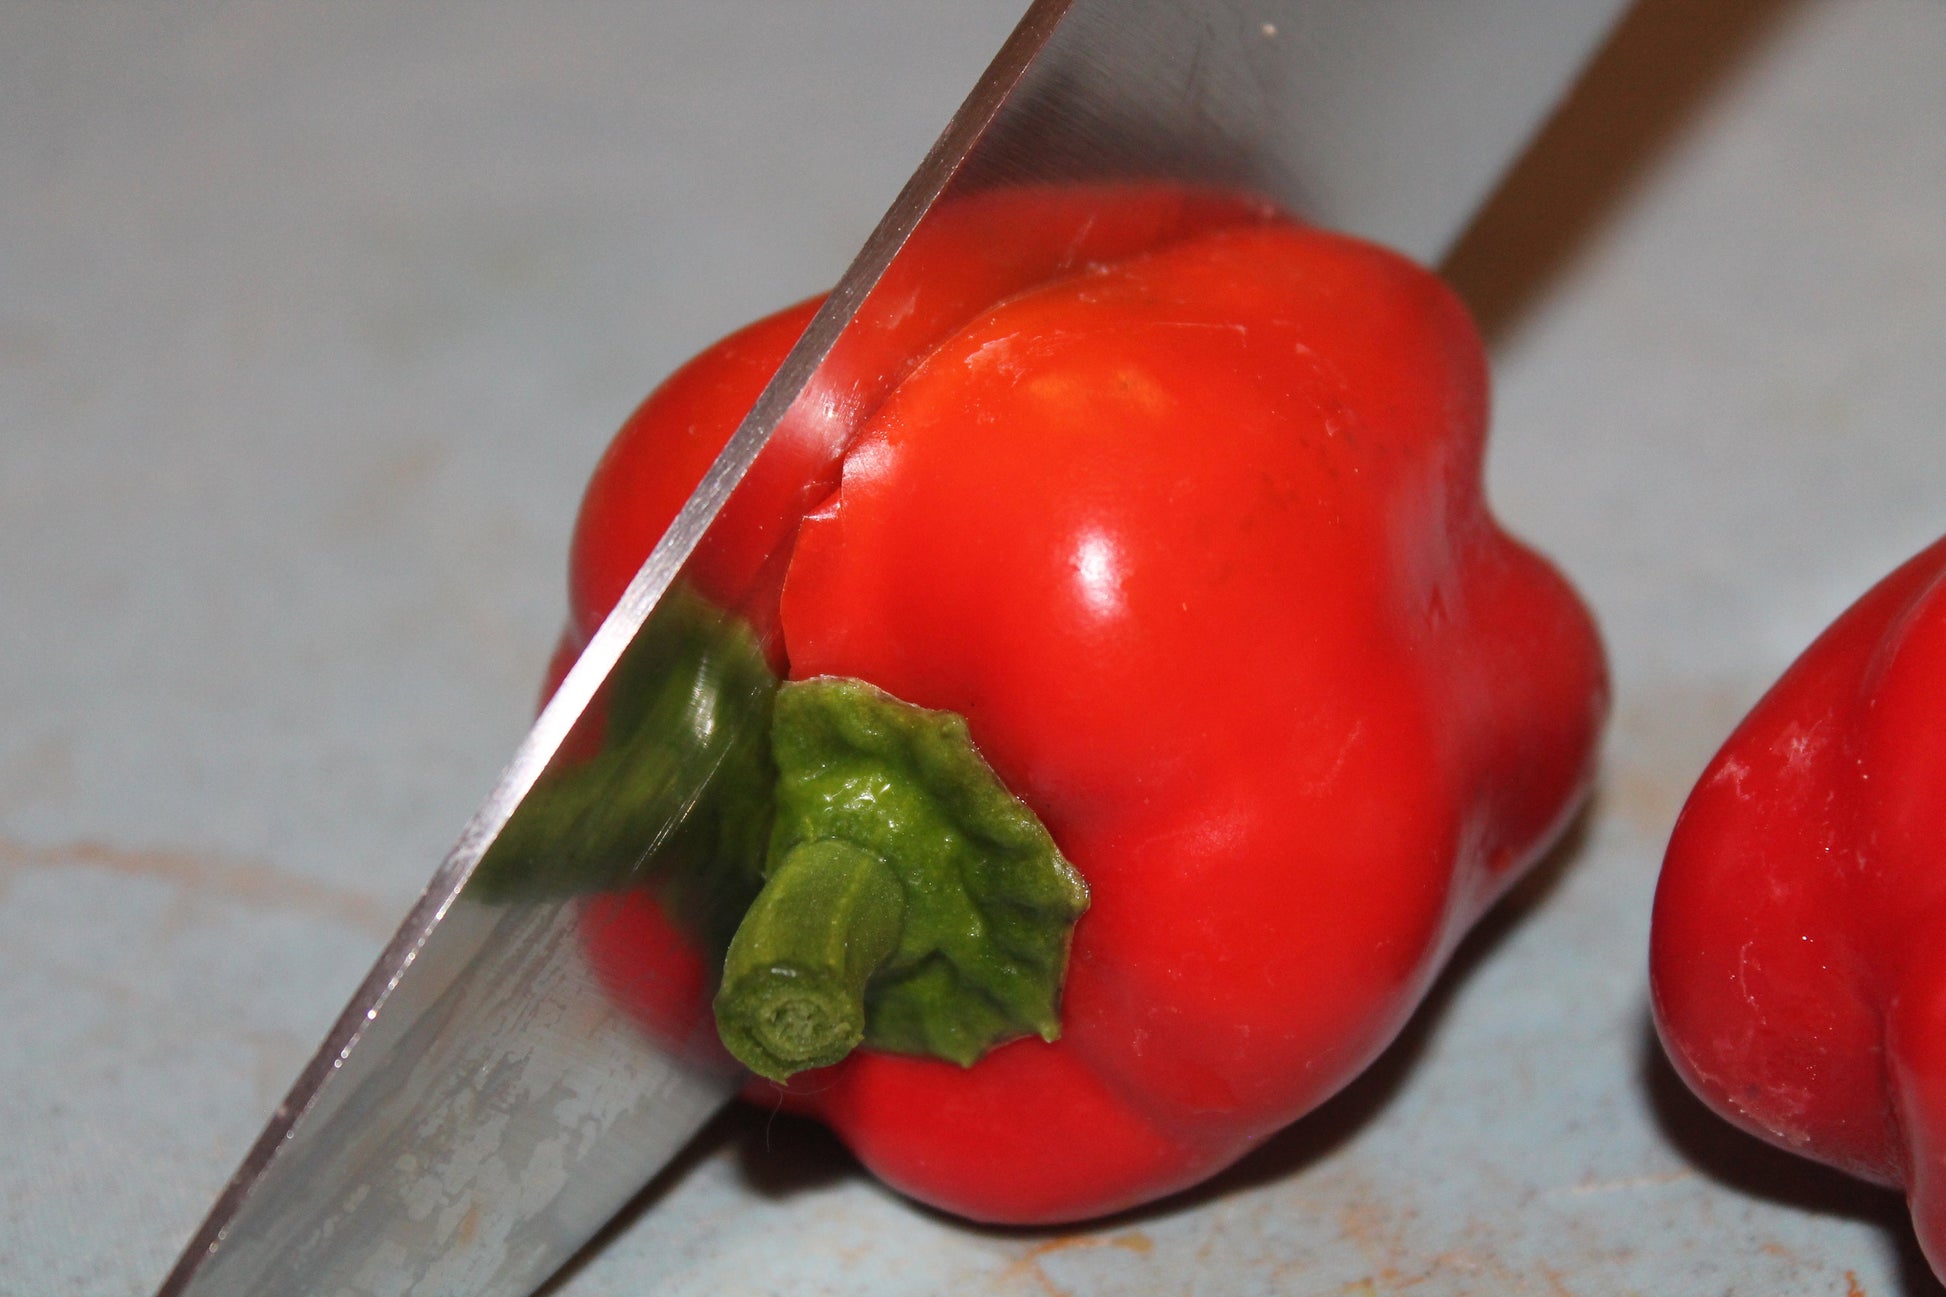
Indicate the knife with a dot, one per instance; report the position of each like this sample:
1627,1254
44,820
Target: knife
488,1099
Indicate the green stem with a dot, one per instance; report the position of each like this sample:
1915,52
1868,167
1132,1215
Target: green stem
793,992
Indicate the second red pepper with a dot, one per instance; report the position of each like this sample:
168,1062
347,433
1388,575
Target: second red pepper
1798,953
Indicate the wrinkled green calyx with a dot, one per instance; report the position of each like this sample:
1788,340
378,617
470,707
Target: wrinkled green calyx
677,797
911,903
871,878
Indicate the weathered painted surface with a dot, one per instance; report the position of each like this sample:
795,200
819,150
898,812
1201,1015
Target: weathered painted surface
312,321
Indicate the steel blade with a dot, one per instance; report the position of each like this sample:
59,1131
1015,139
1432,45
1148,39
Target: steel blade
491,1096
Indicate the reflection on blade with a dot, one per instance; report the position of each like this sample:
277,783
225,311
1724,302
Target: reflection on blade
522,1080
475,1145
535,1043
673,794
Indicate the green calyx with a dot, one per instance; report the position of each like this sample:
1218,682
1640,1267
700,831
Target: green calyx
911,902
871,878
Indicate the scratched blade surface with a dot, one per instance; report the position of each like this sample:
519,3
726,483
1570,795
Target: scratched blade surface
534,1044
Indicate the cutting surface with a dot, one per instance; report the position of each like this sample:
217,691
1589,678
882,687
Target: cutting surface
312,324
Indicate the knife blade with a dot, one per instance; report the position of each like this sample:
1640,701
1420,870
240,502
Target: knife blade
486,1102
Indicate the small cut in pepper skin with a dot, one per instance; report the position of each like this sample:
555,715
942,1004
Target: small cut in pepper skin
1798,951
1194,541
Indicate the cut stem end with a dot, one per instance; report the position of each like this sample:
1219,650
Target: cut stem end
793,992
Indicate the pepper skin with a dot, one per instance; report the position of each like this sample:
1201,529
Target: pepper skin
1796,957
950,270
1194,542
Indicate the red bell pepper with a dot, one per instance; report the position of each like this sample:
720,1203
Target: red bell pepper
1163,705
1798,950
689,674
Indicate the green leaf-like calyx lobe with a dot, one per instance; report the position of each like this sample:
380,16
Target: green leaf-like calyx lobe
911,901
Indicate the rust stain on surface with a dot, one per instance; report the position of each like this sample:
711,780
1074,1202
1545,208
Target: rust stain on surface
1556,1285
1028,1264
1654,1180
469,1227
252,884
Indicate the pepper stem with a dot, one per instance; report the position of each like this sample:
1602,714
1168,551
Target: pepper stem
794,979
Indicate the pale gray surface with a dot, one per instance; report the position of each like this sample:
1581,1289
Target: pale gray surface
482,1106
312,322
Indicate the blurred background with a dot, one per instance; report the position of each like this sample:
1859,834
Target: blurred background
313,321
